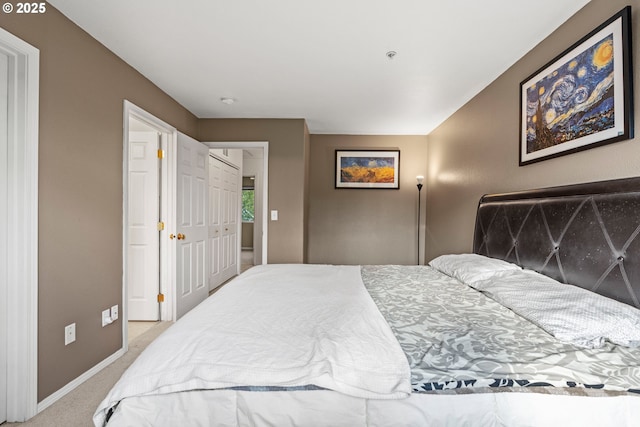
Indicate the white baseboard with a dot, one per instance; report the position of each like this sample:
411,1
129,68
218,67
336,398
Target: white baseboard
81,379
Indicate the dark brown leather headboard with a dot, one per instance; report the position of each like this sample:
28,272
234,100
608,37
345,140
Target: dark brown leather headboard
585,234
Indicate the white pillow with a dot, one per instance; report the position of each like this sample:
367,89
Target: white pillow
569,313
470,268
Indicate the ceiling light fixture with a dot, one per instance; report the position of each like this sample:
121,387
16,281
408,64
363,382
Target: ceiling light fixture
227,101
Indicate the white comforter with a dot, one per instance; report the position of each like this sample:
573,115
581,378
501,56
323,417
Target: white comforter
276,325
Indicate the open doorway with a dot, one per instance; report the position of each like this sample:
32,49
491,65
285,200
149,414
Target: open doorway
142,219
147,206
248,221
255,163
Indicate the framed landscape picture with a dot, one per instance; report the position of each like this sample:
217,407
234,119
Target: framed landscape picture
581,99
368,169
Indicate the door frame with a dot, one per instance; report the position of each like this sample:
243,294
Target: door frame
265,186
22,227
168,140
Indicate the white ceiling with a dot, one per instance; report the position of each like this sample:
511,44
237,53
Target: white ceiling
323,60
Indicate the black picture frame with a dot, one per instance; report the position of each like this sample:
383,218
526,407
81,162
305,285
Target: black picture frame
372,169
581,99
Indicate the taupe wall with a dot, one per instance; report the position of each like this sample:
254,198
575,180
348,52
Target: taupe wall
364,226
476,150
82,89
286,139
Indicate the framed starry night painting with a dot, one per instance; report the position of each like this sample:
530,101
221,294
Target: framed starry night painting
581,99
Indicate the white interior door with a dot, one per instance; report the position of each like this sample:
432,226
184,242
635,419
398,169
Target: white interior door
215,221
4,285
230,221
191,222
224,221
142,227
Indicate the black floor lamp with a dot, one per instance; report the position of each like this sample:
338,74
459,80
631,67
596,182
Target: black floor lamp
419,178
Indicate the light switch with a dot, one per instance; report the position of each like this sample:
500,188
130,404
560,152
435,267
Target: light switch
274,215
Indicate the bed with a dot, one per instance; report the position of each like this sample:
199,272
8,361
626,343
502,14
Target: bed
538,325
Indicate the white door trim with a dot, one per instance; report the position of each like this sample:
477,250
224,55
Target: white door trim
169,136
22,236
265,184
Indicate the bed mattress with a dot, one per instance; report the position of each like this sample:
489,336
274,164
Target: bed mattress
471,361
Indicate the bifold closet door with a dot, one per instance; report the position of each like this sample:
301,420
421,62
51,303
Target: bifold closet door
224,204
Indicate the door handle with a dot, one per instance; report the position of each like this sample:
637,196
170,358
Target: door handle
180,236
172,236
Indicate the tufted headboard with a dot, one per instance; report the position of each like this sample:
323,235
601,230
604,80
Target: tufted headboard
585,234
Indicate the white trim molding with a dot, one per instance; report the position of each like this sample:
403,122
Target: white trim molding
22,230
68,388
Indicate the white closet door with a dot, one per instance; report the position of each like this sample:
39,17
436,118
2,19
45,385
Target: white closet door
142,227
230,221
215,221
224,211
192,230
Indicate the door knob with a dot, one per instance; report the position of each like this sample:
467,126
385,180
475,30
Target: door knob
181,236
172,236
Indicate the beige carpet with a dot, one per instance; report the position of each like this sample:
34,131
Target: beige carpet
77,407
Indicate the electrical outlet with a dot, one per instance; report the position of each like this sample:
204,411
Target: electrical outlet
69,334
106,317
114,313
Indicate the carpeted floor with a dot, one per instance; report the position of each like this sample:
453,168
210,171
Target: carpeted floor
76,408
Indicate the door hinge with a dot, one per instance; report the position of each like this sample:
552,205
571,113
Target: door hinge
160,297
160,226
161,154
